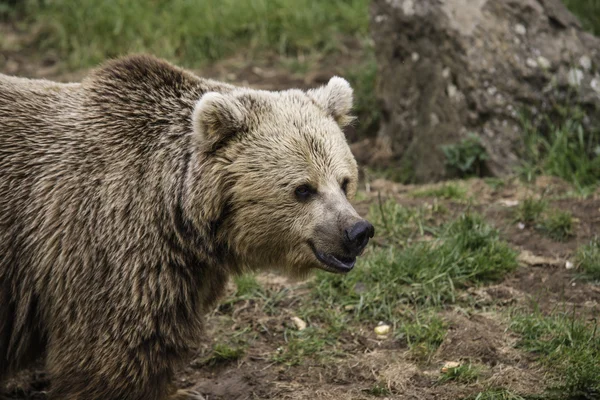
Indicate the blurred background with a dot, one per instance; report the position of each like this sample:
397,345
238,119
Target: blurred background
479,144
496,64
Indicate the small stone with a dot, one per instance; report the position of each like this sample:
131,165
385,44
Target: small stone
446,72
543,62
349,307
521,226
380,18
520,29
382,329
569,265
300,324
448,365
408,8
585,62
452,91
509,202
575,77
415,57
595,85
531,63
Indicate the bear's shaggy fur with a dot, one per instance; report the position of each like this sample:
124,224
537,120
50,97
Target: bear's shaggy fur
127,200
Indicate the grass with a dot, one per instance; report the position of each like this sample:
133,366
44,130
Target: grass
247,286
393,221
569,346
467,252
304,345
466,158
557,225
363,79
563,149
588,11
222,353
530,210
378,390
588,259
401,286
448,191
423,332
193,32
464,373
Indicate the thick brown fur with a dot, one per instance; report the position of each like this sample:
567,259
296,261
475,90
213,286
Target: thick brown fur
125,203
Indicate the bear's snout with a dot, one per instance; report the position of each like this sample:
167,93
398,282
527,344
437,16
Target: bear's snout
356,237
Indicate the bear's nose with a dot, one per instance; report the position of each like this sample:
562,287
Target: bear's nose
358,235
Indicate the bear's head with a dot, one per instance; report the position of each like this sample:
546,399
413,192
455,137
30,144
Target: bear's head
286,175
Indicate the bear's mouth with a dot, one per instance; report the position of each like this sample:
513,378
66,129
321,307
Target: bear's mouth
332,263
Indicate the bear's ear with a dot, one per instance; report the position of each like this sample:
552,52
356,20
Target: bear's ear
335,99
217,117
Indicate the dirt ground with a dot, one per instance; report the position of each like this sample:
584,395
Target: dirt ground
478,333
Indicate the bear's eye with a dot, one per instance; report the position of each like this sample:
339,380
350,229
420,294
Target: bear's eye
344,185
303,192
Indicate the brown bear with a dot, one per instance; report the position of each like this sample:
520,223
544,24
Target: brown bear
127,200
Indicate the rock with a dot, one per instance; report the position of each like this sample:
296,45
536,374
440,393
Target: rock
441,57
382,329
528,258
449,365
300,324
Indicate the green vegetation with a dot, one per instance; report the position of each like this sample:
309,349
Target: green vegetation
569,345
222,353
448,191
588,12
588,259
466,158
557,225
193,32
247,285
564,149
423,332
530,210
464,373
393,221
378,390
366,106
467,252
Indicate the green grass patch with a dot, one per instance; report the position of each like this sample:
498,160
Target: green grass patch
464,373
247,286
312,342
570,348
222,353
448,191
495,183
392,220
530,210
588,259
423,332
378,390
588,12
193,32
466,158
467,252
367,110
557,225
564,149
